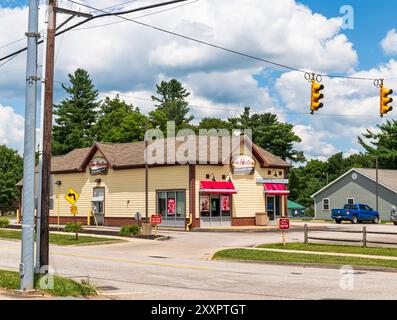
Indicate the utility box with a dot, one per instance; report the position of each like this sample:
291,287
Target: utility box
261,219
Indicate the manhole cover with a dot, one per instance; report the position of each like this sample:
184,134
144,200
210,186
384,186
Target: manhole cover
107,288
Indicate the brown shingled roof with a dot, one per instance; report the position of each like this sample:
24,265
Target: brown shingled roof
130,155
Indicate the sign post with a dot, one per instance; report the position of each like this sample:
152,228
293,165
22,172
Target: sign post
156,220
72,196
284,225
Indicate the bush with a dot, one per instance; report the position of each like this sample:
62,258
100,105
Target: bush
73,227
4,222
129,230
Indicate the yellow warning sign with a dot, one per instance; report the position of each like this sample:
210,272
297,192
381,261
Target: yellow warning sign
73,210
72,196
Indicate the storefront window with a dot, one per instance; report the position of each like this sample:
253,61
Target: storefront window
215,206
172,206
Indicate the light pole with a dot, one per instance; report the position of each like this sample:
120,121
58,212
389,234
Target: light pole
27,250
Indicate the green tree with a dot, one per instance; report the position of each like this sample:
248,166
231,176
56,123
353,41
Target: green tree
272,135
11,171
382,144
76,116
214,123
119,122
171,105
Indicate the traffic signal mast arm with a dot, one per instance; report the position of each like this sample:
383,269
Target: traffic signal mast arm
315,103
385,100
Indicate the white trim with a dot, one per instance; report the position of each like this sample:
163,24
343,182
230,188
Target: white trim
329,204
218,190
276,191
357,170
279,181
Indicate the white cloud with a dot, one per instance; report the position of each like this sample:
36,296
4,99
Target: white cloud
131,59
313,144
11,128
389,43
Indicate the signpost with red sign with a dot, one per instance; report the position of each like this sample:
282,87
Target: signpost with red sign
156,219
284,225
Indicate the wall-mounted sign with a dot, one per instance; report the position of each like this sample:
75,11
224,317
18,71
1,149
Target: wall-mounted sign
243,165
98,166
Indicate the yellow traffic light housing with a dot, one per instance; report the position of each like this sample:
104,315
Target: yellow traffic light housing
316,96
385,99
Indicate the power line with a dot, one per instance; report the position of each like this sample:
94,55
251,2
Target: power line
221,47
138,17
96,17
119,15
218,108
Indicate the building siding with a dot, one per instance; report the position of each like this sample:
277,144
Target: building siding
250,197
363,190
121,186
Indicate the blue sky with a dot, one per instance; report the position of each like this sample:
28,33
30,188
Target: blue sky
140,58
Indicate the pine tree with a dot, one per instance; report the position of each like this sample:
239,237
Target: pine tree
172,105
76,115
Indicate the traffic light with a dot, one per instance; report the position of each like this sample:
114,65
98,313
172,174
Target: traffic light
316,96
385,100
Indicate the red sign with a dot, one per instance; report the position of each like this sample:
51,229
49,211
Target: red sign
156,219
283,224
225,202
171,207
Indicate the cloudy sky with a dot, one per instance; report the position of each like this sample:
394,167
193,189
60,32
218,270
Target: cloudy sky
127,58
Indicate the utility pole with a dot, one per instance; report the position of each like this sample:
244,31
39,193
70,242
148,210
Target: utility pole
47,135
146,178
38,217
27,250
377,182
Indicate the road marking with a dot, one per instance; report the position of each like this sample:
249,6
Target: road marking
160,264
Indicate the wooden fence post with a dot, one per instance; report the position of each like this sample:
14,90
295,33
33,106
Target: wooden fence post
306,233
364,237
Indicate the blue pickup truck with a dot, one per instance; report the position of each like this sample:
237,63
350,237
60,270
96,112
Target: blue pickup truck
355,213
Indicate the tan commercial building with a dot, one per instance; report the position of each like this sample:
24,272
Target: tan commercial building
110,181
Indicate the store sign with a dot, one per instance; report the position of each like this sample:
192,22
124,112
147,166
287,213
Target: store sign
171,206
284,224
156,219
225,203
98,166
205,203
243,165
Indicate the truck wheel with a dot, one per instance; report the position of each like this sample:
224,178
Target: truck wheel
376,220
340,221
354,220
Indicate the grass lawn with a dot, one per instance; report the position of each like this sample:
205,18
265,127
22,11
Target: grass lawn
62,287
257,255
59,239
333,248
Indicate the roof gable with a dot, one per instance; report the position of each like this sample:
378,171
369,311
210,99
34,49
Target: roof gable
131,155
386,178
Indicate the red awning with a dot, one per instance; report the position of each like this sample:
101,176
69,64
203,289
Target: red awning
217,187
275,189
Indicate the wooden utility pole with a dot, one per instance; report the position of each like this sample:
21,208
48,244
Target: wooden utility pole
47,135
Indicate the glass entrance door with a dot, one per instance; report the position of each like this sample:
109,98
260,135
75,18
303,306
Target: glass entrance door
273,207
215,210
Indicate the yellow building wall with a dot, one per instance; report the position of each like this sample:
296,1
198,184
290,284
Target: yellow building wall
120,186
250,197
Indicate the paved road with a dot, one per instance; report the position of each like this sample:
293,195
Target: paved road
179,269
